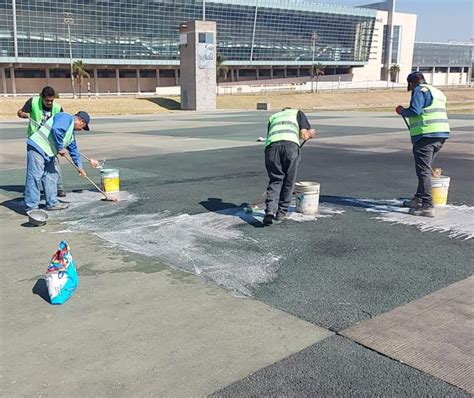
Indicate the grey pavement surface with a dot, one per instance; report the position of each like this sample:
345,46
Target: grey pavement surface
417,334
337,367
188,175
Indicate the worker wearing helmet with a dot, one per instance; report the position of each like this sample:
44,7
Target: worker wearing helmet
429,129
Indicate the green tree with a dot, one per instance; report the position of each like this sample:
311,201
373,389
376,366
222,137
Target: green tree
394,71
80,73
317,70
221,68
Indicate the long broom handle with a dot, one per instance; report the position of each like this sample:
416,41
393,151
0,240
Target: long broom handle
92,182
406,122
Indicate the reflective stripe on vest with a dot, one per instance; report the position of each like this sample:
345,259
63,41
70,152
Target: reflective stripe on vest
434,118
37,113
45,140
283,127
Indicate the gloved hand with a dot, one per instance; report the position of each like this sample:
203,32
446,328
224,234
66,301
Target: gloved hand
399,109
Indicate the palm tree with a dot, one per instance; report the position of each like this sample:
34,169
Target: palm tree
394,71
221,69
317,70
80,73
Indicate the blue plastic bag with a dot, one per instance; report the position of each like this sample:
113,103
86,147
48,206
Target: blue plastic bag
61,275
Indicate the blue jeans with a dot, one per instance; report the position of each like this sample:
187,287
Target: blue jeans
40,171
57,165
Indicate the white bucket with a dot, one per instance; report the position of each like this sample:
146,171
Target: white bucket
307,197
439,190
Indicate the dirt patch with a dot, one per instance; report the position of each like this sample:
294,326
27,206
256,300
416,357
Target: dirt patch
459,100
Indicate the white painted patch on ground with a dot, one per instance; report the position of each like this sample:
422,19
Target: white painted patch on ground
324,211
457,221
211,244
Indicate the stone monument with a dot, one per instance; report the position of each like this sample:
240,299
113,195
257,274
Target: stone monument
197,44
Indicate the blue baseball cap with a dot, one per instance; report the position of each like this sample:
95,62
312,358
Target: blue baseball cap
85,117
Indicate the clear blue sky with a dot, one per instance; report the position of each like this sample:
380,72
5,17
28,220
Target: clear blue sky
438,20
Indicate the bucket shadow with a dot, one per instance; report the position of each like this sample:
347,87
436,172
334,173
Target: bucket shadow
216,205
377,205
166,103
41,290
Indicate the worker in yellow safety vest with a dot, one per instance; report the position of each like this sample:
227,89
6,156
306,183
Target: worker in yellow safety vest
285,131
39,109
54,138
429,129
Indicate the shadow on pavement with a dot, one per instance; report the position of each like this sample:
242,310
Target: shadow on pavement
17,205
41,290
216,205
167,103
12,188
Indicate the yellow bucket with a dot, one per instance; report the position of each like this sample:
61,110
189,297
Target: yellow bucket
110,180
439,190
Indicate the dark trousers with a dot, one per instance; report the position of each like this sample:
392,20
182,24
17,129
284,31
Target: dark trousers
425,151
281,161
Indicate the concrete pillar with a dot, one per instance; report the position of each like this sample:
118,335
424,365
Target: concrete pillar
138,81
96,82
198,65
271,72
176,77
117,80
447,75
285,72
237,74
46,70
298,71
12,79
4,82
432,75
157,77
257,74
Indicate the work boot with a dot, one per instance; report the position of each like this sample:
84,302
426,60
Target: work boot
268,219
413,203
61,194
424,211
282,216
59,206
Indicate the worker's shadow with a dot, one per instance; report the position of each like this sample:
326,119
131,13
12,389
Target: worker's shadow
216,205
17,205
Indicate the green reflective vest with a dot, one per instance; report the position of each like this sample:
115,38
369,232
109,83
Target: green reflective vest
283,126
45,140
37,113
434,118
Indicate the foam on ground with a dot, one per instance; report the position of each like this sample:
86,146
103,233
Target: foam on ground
210,244
457,221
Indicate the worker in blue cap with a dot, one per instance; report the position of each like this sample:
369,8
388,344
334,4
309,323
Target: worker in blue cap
56,137
429,129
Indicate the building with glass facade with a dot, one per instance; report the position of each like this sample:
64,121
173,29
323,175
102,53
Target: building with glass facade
133,45
444,63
